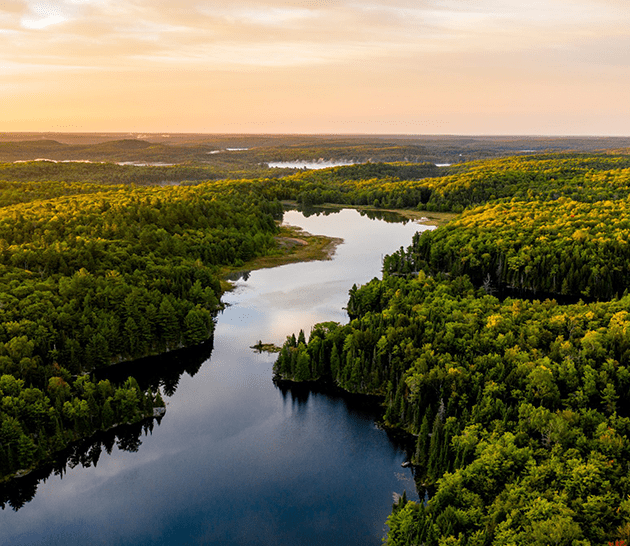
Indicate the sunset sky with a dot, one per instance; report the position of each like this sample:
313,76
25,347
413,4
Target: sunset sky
541,67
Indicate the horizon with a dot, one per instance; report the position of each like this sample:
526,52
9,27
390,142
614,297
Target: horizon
167,134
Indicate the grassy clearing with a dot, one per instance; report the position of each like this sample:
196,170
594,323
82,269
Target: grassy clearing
423,216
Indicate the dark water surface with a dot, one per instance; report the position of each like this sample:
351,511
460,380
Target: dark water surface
236,460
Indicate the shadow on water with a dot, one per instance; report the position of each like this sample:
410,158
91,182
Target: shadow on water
238,276
163,371
362,406
18,492
385,215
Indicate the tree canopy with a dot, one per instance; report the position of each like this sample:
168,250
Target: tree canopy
518,406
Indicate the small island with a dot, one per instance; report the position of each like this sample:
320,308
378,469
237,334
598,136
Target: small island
261,347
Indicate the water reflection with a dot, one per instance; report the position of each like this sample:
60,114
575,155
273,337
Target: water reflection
358,406
163,371
389,216
18,492
385,215
238,276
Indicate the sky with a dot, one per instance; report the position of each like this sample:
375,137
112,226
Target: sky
535,67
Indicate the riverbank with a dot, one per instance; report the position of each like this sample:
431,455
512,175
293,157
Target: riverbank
296,245
293,245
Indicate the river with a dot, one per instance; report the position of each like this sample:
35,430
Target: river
237,460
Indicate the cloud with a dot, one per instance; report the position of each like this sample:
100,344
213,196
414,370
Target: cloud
45,14
268,16
374,52
291,33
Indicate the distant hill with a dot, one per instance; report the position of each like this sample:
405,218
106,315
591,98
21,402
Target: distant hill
238,152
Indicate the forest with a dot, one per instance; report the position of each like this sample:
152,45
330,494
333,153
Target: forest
95,275
500,344
102,264
231,155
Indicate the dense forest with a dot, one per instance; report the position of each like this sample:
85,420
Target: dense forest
95,272
518,406
94,275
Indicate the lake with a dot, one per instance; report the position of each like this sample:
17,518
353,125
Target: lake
237,460
321,164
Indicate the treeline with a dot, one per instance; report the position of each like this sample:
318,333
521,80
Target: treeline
32,172
587,178
362,184
37,422
518,407
423,186
561,246
395,185
92,279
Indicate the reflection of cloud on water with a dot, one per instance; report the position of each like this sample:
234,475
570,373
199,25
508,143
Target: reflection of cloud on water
240,316
300,297
272,316
286,325
276,327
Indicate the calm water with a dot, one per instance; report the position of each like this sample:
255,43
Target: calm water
236,460
308,164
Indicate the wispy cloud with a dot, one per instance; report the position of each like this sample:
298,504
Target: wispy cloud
420,43
77,29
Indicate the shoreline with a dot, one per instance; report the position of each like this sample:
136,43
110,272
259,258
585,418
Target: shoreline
294,245
425,217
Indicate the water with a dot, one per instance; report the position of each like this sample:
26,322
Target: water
236,460
321,164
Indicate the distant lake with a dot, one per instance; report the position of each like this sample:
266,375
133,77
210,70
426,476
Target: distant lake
132,163
146,164
308,164
237,460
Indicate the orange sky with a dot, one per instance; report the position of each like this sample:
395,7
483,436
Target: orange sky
559,67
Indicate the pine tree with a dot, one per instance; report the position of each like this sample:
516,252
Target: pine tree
303,364
422,444
435,449
335,363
